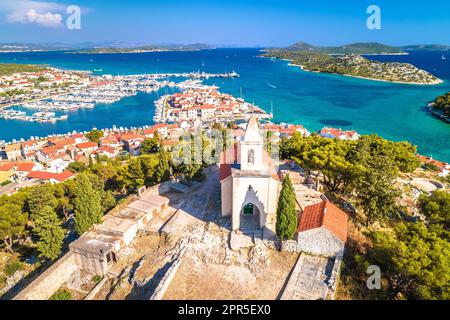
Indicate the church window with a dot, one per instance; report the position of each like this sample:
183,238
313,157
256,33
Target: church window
251,156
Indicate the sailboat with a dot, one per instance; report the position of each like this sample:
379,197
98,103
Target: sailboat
443,57
203,63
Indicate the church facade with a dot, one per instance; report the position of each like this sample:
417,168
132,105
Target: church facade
249,182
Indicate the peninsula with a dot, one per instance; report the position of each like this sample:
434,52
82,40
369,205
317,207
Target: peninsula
347,60
440,107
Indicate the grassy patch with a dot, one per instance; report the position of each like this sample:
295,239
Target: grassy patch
97,278
61,295
10,68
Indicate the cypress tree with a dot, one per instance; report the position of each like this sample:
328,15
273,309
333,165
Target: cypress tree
47,226
286,211
87,205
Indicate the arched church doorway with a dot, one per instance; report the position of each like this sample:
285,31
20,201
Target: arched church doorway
249,217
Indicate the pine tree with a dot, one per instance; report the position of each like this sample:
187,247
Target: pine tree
87,205
286,211
12,224
162,169
47,227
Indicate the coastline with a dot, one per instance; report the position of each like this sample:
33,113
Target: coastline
437,114
438,81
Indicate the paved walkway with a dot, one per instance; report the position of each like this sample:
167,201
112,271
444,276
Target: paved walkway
308,280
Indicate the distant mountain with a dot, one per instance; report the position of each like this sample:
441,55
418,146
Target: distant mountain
302,46
353,48
426,47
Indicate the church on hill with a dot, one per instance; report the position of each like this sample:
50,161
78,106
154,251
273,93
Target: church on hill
250,182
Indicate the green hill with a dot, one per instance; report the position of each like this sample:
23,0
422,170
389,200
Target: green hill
352,48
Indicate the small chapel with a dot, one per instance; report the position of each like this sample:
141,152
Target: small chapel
249,182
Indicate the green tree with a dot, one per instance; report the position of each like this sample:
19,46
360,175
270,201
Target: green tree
414,259
151,145
76,167
108,201
375,192
95,135
436,207
286,225
48,229
12,224
39,197
162,171
87,205
133,176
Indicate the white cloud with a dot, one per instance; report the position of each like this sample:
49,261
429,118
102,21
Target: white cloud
47,19
41,12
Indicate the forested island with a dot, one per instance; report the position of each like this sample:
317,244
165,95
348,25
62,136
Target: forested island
328,60
441,107
353,48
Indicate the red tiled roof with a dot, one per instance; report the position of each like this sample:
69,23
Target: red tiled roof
87,145
438,164
41,175
7,166
132,136
332,131
64,142
63,176
327,215
29,143
25,166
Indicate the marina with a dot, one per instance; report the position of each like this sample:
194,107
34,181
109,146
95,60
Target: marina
105,89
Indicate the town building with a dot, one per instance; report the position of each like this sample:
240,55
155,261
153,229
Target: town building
249,182
339,134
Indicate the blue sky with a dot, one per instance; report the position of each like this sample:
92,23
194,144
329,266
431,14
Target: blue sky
244,22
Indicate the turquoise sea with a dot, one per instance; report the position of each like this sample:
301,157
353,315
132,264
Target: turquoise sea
393,111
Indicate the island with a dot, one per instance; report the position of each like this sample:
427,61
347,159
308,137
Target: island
426,47
440,107
370,48
352,63
144,49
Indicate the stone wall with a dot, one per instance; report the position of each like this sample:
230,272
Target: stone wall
159,188
44,286
334,278
164,284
